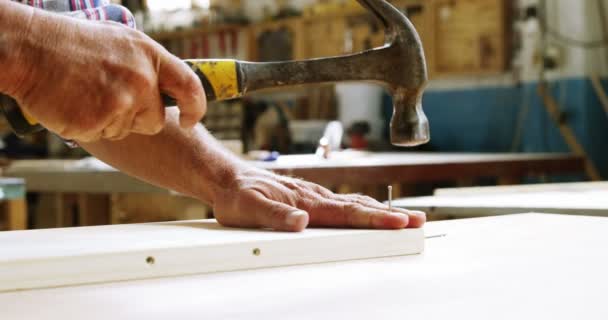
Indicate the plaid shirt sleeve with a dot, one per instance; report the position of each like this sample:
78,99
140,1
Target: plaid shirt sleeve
99,10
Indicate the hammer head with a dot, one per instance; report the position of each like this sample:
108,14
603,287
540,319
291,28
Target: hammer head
404,72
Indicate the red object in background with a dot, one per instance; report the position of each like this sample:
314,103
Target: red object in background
358,141
357,133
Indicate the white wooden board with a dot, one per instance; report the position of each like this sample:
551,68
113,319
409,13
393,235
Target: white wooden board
62,257
572,187
575,198
510,267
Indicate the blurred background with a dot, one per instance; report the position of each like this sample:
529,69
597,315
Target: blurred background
517,96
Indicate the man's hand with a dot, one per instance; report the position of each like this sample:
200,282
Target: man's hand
260,199
99,80
193,163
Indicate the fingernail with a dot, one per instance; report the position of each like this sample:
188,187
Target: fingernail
419,213
294,218
397,214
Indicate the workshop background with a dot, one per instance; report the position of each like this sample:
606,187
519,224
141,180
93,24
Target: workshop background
517,95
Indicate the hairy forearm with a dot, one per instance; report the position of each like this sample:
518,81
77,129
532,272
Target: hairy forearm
191,162
14,25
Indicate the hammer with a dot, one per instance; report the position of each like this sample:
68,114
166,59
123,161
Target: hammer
399,65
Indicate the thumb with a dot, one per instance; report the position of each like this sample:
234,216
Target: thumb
279,216
179,81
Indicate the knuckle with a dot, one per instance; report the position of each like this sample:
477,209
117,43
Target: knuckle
155,122
144,80
148,130
66,133
352,207
156,128
89,137
366,199
276,216
276,211
221,219
147,79
293,185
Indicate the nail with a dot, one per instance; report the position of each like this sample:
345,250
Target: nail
294,218
418,214
396,214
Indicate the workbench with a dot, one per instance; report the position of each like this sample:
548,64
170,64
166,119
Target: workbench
415,167
341,171
586,198
529,266
349,167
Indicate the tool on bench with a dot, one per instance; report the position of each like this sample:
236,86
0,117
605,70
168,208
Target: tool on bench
399,65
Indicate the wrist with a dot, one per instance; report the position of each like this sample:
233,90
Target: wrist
222,179
217,170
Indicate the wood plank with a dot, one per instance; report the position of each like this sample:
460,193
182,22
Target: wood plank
513,267
526,188
61,257
577,198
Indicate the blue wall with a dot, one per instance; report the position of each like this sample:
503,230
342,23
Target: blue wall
485,119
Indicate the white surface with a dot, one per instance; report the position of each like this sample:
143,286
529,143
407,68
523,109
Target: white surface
524,188
354,158
566,198
361,102
59,257
512,267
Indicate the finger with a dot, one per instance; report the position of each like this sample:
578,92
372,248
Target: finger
334,213
179,81
416,218
120,128
277,215
355,198
151,119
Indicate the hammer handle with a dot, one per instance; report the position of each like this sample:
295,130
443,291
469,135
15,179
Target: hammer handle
219,78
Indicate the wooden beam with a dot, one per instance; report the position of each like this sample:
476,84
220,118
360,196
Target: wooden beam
566,131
